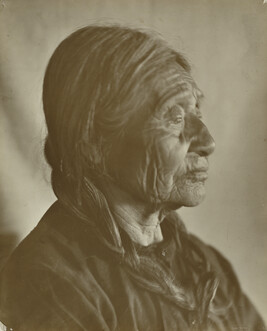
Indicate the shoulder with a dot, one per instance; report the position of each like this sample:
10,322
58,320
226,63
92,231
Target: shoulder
58,238
53,275
51,241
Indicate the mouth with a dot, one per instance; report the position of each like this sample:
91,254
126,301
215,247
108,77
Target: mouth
197,169
198,175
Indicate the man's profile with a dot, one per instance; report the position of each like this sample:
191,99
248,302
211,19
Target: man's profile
127,147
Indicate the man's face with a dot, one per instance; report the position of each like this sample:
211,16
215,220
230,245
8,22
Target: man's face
164,159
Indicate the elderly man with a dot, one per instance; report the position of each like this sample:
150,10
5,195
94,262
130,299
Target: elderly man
127,147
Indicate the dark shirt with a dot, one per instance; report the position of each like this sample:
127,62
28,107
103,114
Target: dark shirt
61,277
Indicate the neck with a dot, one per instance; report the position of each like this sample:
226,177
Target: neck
140,222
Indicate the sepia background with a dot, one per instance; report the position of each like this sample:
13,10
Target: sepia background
226,42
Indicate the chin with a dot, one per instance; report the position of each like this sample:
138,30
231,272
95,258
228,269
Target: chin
190,195
193,202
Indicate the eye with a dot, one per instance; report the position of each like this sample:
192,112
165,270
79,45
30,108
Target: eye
178,119
197,110
175,114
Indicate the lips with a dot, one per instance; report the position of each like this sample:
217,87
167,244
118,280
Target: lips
198,175
198,172
197,168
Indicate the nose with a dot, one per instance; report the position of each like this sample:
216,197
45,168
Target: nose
201,142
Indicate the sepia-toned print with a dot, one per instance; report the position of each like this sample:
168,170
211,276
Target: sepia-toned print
130,147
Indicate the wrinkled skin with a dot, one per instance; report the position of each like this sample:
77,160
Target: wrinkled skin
164,159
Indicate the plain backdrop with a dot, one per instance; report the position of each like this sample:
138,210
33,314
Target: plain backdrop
226,42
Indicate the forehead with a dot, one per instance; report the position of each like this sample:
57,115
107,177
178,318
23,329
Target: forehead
175,83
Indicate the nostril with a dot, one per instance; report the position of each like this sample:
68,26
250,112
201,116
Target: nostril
208,149
203,147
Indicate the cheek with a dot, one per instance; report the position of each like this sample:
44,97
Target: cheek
150,169
170,155
165,162
130,166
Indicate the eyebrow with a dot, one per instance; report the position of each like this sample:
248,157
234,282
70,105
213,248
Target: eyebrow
171,93
166,96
